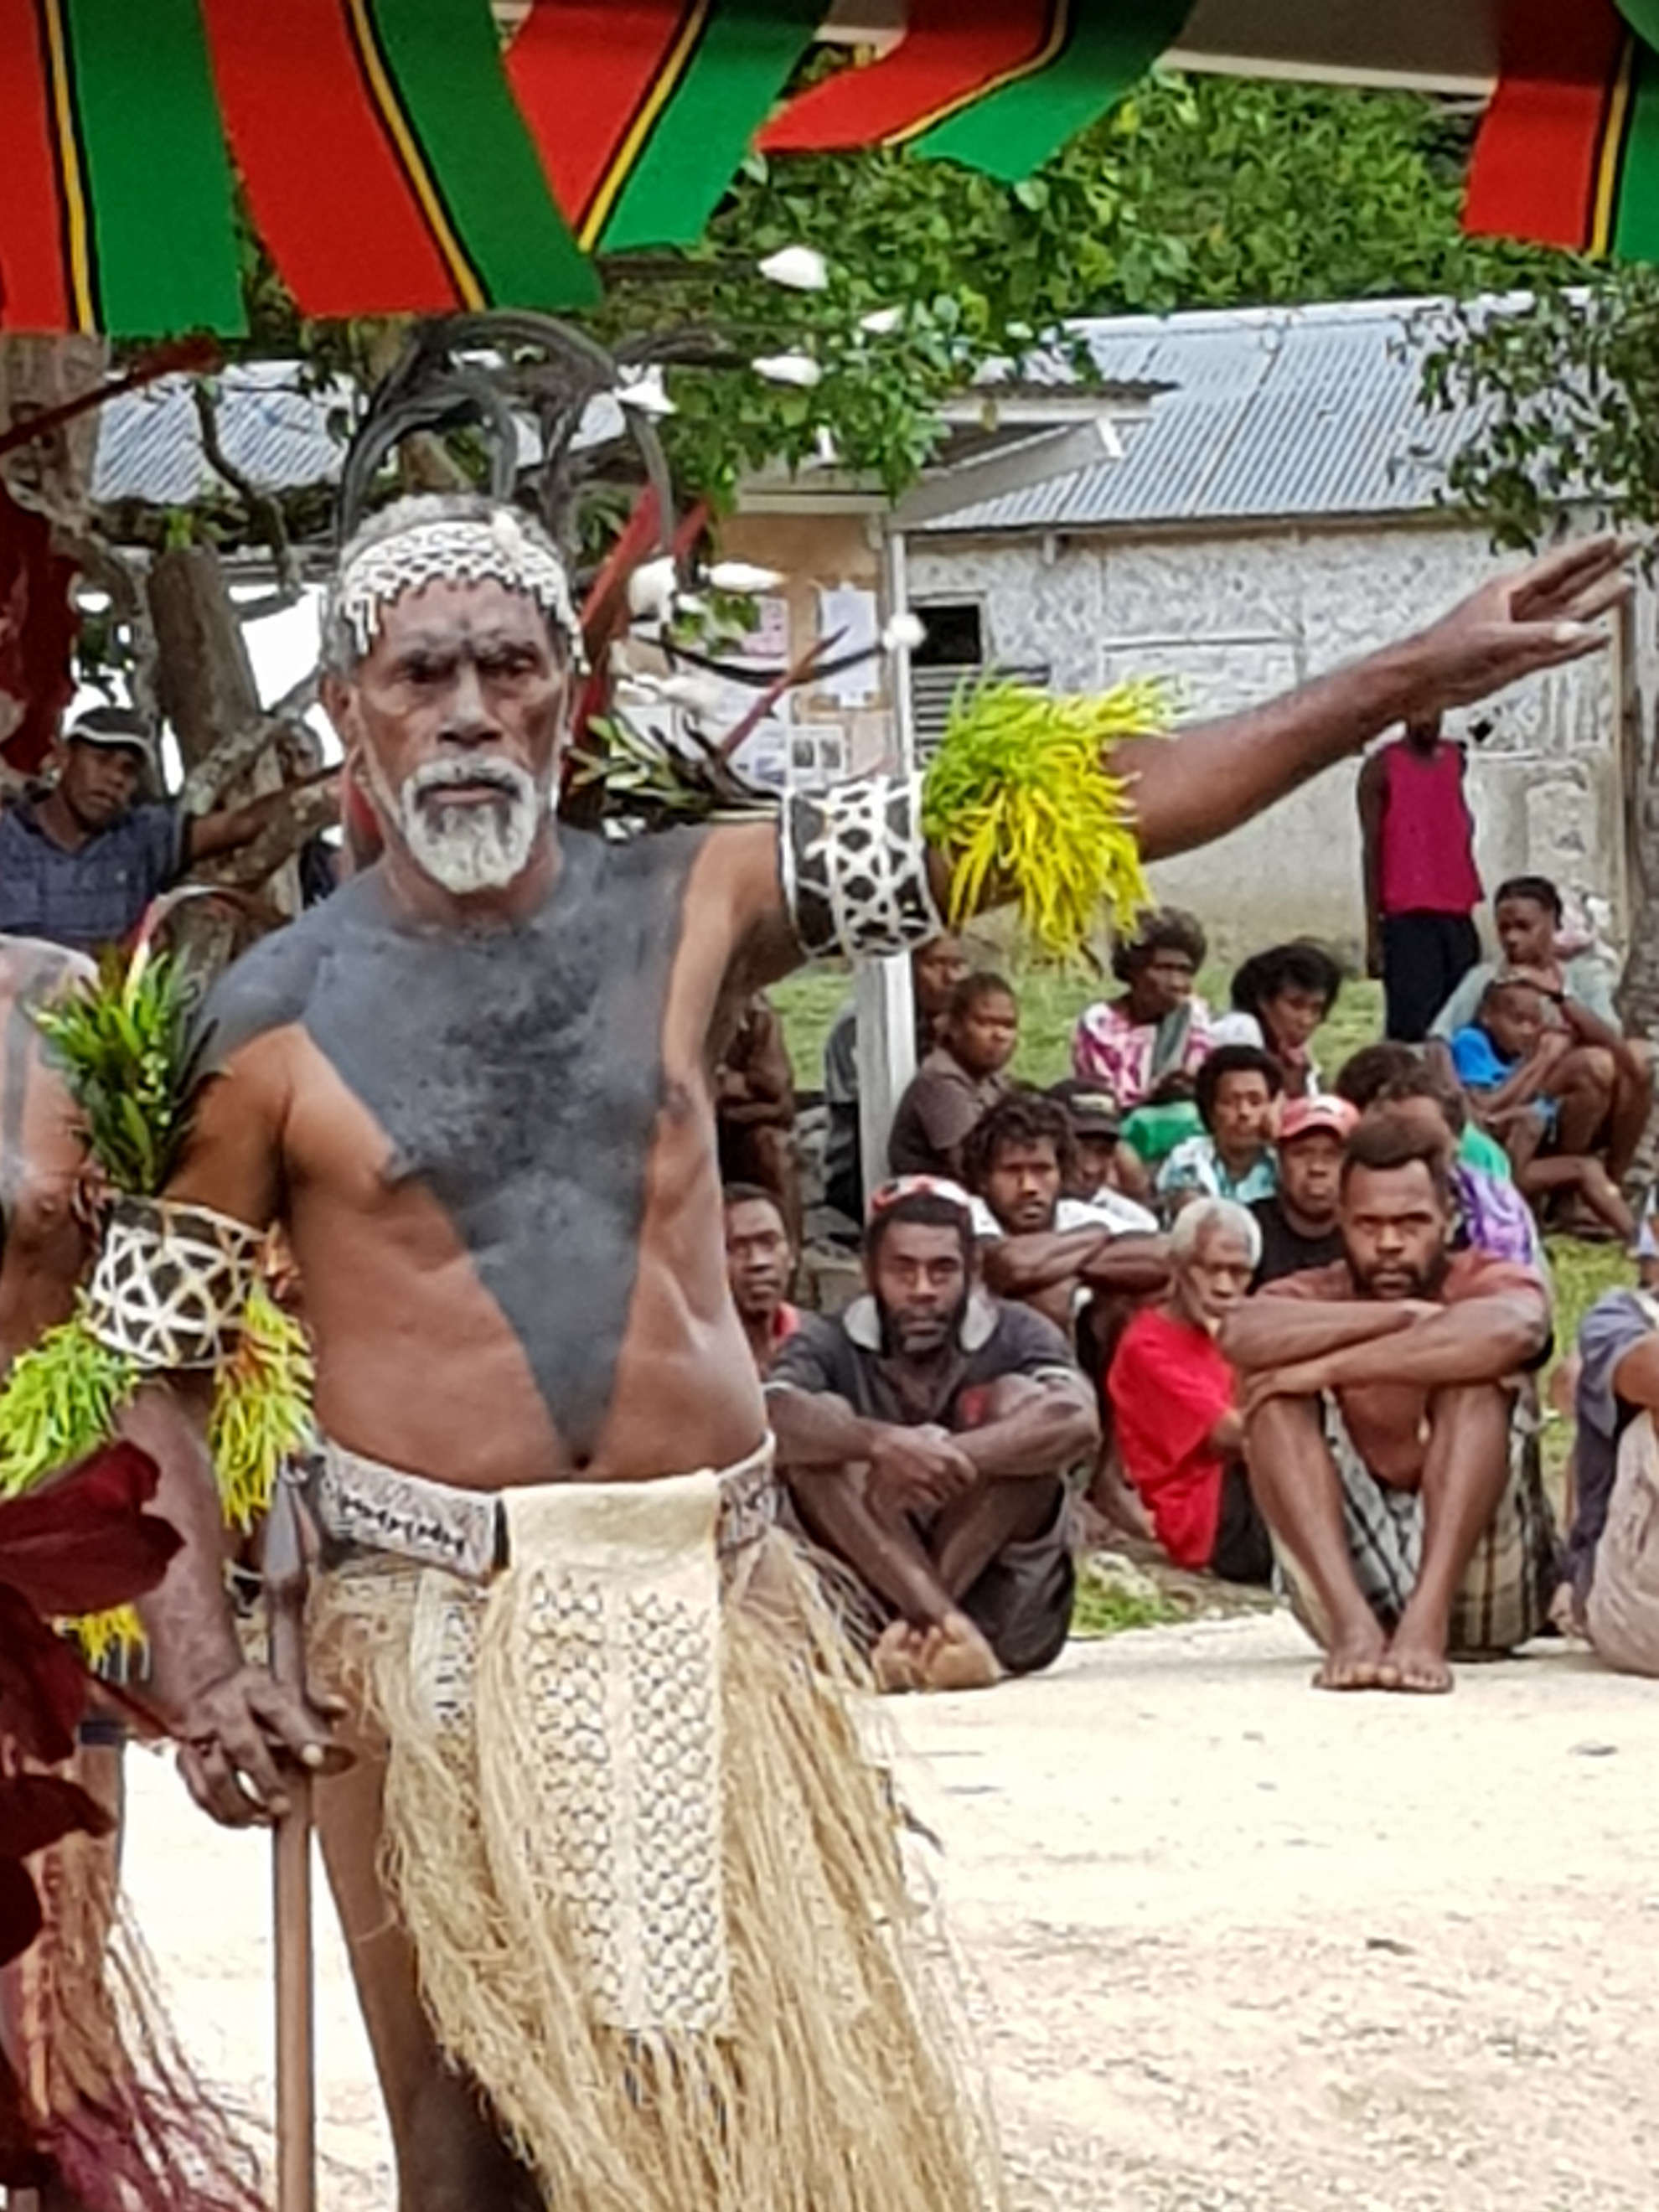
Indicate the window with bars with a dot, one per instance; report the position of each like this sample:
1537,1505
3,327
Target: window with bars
952,654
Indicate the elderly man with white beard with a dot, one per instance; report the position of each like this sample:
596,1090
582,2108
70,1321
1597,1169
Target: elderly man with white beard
623,1900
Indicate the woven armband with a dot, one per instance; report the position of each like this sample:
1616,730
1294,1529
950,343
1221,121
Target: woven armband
855,869
171,1283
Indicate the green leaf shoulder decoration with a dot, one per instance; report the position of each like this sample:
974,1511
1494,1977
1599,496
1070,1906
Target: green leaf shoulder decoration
122,1044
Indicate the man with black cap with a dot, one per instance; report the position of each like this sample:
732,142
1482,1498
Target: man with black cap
81,858
1103,1162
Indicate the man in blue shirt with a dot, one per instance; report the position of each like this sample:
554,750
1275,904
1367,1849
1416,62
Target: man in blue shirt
80,858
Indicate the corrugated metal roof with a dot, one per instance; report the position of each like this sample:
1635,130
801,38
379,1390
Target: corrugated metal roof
149,445
1274,414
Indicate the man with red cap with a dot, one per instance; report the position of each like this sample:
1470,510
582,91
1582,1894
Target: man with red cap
1298,1223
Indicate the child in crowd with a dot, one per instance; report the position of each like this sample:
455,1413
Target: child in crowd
1146,1047
1505,1060
960,1081
1280,997
1238,1089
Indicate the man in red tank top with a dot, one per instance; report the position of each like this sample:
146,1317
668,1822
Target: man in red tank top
1421,884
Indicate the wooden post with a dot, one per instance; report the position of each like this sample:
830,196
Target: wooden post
296,2123
882,992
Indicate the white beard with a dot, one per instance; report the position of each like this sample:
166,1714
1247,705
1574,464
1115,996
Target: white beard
470,846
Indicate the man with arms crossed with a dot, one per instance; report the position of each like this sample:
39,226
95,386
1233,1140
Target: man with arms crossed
475,1088
1388,1446
925,1435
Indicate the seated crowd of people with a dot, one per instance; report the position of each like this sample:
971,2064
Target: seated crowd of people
1287,1327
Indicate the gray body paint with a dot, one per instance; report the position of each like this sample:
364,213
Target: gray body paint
517,1074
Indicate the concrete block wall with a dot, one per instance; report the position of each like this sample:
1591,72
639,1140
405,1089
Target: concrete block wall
1233,617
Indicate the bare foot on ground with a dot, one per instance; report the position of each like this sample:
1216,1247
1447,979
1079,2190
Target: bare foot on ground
1354,1661
956,1657
1415,1663
895,1658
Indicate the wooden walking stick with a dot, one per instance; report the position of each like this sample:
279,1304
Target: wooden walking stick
297,2116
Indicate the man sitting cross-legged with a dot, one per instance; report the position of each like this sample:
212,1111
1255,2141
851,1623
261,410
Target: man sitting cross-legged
924,1436
1386,1445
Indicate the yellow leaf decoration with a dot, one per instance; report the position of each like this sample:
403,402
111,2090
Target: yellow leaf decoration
1021,800
261,1409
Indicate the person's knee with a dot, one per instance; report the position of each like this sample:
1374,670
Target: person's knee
1477,1411
997,1401
1277,1424
1590,1068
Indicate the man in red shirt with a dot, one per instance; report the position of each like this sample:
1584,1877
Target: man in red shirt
1386,1438
1179,1430
1422,886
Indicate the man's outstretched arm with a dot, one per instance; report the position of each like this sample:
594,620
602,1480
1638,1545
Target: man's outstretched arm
1184,791
1215,774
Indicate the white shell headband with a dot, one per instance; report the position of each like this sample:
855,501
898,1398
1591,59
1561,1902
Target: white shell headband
450,550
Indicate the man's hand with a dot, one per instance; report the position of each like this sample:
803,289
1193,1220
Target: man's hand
1538,617
1549,980
235,1734
917,1470
1374,951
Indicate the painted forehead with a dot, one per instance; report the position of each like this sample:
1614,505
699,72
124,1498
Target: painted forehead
443,550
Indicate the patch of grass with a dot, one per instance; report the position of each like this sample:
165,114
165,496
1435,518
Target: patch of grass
1582,1274
1103,1608
1050,1000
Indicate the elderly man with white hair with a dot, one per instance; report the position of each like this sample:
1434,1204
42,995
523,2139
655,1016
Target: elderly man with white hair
1179,1427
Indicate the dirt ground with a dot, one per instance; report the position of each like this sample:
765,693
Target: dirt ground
1234,1947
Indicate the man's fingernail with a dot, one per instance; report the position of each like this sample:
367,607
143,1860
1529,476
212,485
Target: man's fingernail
1570,633
278,1807
313,1754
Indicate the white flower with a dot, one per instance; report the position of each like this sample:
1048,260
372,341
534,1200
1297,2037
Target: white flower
743,578
903,634
800,268
643,389
701,697
651,590
789,369
883,322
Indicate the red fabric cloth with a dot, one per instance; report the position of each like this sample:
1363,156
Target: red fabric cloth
1428,836
38,625
1170,1386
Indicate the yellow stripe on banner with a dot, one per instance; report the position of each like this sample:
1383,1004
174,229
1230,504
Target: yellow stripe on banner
70,169
598,211
463,275
1059,29
1612,151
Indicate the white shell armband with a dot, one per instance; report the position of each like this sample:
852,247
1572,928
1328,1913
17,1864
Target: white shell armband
171,1283
855,869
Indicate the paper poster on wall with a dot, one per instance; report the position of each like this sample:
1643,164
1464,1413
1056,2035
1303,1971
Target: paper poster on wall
849,613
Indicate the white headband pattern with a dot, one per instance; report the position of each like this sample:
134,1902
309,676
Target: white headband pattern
452,551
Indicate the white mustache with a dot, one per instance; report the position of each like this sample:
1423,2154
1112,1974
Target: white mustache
505,776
